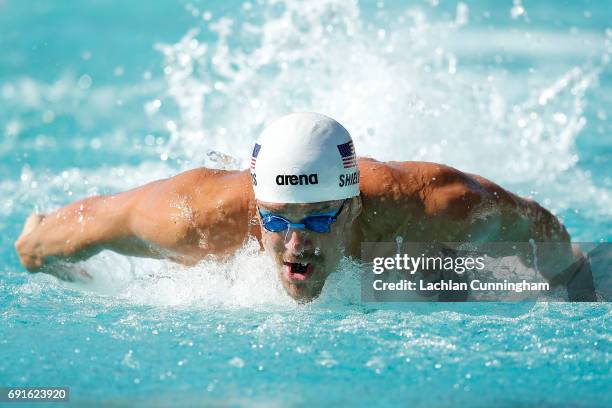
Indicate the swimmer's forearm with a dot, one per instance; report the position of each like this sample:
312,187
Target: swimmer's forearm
73,233
171,218
541,239
549,240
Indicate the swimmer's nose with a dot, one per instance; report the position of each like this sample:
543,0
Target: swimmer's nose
297,241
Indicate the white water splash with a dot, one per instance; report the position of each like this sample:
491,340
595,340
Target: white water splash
403,92
403,85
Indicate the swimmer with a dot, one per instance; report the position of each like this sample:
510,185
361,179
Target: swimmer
308,200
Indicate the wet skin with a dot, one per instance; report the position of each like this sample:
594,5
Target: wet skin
206,212
317,253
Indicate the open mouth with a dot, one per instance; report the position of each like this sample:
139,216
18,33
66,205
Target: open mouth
297,271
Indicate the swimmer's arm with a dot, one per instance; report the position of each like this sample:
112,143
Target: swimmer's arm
176,218
81,230
540,236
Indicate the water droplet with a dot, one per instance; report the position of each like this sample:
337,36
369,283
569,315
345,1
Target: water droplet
237,362
461,18
48,116
560,118
518,9
85,82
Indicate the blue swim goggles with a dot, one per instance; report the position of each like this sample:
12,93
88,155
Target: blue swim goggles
315,222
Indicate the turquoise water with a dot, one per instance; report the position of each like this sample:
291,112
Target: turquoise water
101,96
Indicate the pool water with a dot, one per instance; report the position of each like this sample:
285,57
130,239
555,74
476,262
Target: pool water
102,96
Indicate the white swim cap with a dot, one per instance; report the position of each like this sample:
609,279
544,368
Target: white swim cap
304,158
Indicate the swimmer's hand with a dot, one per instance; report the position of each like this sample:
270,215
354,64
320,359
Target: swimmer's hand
27,248
580,287
30,255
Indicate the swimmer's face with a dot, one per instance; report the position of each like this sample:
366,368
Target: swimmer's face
303,258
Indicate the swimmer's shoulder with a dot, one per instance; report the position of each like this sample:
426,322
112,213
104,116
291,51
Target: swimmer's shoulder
213,188
202,199
432,188
394,179
200,192
204,182
201,177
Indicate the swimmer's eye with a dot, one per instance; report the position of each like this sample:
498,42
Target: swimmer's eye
320,223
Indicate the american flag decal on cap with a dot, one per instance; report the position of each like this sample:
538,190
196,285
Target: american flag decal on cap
254,155
348,154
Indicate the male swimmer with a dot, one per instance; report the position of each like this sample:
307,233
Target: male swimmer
309,201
